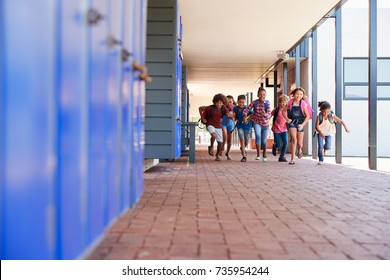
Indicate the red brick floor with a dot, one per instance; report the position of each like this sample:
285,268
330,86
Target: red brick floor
254,210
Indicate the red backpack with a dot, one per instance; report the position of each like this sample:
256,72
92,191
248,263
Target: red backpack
302,103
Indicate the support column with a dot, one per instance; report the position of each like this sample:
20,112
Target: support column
372,85
275,88
314,95
298,66
339,86
285,79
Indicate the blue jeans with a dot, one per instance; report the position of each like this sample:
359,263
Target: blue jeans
245,134
323,143
261,135
284,137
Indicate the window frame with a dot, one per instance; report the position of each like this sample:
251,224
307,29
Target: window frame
352,84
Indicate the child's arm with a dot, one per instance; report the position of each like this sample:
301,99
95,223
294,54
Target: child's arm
307,119
246,110
318,127
201,109
337,119
284,113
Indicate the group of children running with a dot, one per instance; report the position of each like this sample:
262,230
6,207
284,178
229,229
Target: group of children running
289,118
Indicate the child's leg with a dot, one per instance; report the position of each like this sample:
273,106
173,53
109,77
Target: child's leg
228,142
257,129
224,137
211,130
247,136
277,137
284,137
264,136
328,143
300,143
242,140
293,134
219,139
320,148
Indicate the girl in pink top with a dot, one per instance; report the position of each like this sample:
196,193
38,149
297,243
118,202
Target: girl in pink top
279,128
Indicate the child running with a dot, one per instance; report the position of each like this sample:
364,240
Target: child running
244,129
297,116
326,128
260,121
212,117
279,128
228,126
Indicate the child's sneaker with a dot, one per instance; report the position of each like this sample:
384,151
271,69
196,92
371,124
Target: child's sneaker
228,156
257,158
282,159
320,163
274,149
243,159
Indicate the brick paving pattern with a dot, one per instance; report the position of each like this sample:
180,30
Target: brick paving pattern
254,210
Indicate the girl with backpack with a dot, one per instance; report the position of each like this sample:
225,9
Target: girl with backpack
228,126
297,115
326,128
279,128
260,120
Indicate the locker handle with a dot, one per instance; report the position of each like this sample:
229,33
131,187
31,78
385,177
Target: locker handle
144,72
145,77
125,55
112,41
139,67
94,16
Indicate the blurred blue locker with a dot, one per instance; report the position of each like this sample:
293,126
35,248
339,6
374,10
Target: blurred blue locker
71,122
28,110
138,101
97,92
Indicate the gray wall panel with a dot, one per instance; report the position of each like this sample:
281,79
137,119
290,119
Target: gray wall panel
160,41
159,96
160,69
160,55
161,28
158,110
162,102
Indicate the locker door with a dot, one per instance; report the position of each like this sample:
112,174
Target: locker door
138,101
114,115
73,122
97,189
128,10
28,129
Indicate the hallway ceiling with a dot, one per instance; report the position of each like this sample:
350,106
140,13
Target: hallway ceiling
229,44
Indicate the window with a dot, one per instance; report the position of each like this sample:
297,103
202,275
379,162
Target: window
356,78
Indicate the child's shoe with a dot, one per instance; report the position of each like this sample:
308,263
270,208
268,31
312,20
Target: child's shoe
228,156
282,159
243,159
274,149
257,158
320,163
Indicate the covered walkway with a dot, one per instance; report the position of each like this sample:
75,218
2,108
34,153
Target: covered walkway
254,210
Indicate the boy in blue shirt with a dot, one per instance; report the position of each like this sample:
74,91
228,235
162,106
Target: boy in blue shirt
244,129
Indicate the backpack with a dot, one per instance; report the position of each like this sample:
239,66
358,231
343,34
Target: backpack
330,118
212,110
321,119
276,112
302,103
266,105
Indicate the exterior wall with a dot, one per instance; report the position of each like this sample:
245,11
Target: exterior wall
163,94
71,123
355,44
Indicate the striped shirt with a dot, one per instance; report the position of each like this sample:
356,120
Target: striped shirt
258,116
